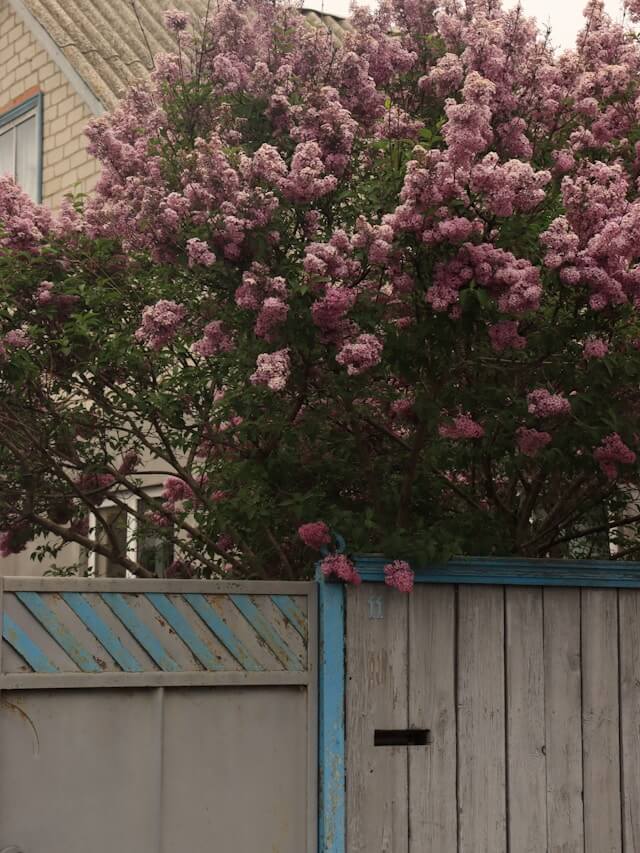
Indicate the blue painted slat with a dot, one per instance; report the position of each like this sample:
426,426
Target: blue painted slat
87,614
268,633
183,629
140,631
331,745
289,609
26,648
222,631
49,620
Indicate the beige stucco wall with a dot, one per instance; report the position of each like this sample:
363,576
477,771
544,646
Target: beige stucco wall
25,68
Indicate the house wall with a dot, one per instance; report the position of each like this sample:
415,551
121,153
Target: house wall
25,69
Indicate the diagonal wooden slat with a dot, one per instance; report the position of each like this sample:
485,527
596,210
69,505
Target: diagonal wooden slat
222,631
49,620
267,632
140,631
183,629
83,609
24,645
290,610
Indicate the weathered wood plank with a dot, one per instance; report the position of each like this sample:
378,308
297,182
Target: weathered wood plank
526,789
600,722
377,793
629,613
481,720
563,720
432,769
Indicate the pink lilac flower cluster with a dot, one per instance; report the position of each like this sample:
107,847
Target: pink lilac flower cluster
513,282
199,253
273,314
272,370
340,567
174,490
330,312
399,575
531,441
508,188
361,354
179,569
315,534
47,297
505,335
462,427
214,340
612,452
160,323
544,404
595,348
17,339
25,225
176,20
91,482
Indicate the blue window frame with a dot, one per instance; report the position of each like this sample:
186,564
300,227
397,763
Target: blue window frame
21,145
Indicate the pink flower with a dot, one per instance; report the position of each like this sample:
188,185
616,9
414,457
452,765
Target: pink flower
399,575
611,453
176,20
214,340
361,354
595,348
199,253
463,427
18,339
175,490
505,335
160,323
531,441
543,404
341,567
224,542
179,569
329,312
315,534
272,314
272,370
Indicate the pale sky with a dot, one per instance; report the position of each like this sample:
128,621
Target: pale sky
564,16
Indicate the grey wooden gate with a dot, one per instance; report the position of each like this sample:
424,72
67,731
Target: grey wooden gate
531,698
199,738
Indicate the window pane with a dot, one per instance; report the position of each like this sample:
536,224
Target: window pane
116,518
155,553
27,156
6,153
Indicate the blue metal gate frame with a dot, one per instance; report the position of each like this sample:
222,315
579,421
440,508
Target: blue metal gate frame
471,570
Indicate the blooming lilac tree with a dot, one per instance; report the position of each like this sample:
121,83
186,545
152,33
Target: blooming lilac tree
387,287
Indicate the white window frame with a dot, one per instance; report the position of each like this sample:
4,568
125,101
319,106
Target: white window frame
29,108
130,500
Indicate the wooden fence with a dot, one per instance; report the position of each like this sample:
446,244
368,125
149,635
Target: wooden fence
495,709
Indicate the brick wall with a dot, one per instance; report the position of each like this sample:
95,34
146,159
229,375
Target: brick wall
25,68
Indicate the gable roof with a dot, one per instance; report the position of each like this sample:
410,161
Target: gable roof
103,46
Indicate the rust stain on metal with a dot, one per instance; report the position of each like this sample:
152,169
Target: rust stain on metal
23,714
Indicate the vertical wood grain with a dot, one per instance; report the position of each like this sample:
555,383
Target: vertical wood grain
481,720
432,769
629,613
600,721
563,720
526,787
377,789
